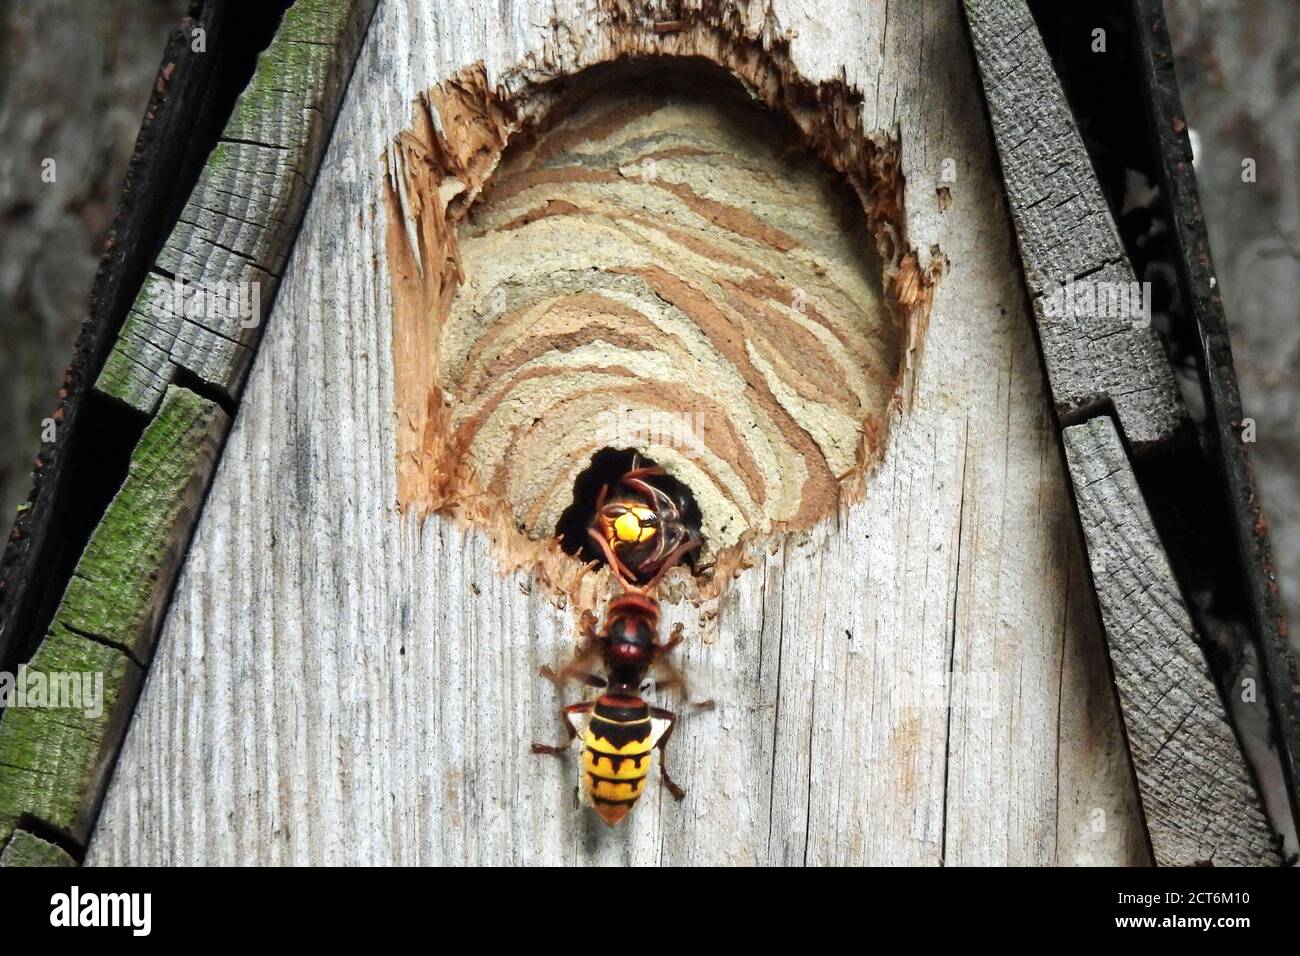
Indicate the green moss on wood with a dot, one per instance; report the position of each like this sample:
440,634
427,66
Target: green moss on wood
316,21
219,158
289,103
27,849
291,73
51,757
122,376
52,760
114,593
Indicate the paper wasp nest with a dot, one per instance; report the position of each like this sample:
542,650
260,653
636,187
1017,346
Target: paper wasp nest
662,264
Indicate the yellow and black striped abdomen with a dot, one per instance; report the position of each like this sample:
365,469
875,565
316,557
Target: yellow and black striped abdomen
616,755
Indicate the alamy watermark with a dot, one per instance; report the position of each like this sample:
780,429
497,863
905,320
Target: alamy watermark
213,301
74,908
1125,301
53,690
642,428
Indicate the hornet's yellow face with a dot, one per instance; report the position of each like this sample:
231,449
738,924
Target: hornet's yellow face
634,524
640,528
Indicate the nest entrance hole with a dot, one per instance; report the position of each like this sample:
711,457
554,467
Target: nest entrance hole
607,466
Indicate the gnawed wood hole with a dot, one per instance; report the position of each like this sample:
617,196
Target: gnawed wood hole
708,265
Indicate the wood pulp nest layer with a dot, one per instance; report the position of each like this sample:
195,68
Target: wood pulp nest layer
657,262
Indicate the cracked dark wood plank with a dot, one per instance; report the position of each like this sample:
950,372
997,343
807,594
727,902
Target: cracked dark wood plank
1066,234
243,215
187,108
119,589
54,760
1200,291
1199,799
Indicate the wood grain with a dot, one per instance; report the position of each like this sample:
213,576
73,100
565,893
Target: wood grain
1066,234
241,219
1200,803
914,680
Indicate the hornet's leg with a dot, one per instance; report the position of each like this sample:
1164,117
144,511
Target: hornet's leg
572,671
676,637
677,679
637,479
566,715
677,792
576,669
671,560
600,503
621,570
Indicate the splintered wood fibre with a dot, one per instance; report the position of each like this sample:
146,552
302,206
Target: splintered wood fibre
666,268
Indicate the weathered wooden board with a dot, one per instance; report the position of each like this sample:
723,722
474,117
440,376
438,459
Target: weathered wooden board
1200,803
119,592
920,680
1097,360
54,760
27,849
1066,235
237,228
55,755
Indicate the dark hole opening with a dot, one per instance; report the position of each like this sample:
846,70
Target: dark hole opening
607,466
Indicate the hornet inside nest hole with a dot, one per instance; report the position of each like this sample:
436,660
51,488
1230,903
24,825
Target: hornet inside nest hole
626,505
